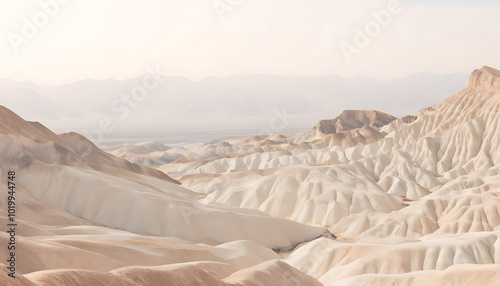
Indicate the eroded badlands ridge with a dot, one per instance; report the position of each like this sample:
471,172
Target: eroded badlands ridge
81,209
411,200
415,199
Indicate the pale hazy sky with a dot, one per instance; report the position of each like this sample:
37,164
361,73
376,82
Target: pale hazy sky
120,38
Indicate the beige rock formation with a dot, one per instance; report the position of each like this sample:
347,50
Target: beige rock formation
413,201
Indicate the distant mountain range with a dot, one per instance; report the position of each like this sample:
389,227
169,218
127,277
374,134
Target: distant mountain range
363,199
275,104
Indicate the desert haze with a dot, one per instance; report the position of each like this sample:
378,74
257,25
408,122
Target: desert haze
362,199
203,106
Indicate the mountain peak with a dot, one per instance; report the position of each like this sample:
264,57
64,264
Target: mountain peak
353,119
81,149
11,123
485,78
